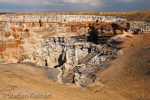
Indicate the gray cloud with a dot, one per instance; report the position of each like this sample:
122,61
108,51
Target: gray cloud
90,2
72,5
27,2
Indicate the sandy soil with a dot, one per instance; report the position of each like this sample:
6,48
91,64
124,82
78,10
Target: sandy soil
127,78
130,73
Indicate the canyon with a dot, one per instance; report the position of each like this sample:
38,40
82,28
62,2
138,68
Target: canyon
79,46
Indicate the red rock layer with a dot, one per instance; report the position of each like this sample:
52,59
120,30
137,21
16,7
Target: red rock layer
13,47
106,27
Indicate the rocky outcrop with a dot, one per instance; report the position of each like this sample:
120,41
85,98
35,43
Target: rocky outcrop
17,44
139,27
107,28
62,42
60,18
74,55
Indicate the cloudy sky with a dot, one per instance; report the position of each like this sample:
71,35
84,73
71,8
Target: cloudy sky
72,5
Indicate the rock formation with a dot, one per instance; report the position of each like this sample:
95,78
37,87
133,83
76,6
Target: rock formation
76,44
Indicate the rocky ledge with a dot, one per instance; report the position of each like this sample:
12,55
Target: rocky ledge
78,49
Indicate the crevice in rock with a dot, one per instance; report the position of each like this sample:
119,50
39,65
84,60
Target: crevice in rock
46,63
40,23
61,59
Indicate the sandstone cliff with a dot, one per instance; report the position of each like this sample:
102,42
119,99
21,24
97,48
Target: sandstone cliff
69,43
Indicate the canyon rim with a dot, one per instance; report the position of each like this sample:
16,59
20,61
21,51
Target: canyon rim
69,49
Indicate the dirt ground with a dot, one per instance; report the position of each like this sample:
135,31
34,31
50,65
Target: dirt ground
127,78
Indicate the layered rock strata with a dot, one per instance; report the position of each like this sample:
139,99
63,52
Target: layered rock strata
60,18
62,42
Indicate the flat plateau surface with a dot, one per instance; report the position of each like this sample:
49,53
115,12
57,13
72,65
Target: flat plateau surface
140,15
127,78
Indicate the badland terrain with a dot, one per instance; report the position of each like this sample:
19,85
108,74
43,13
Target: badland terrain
76,55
